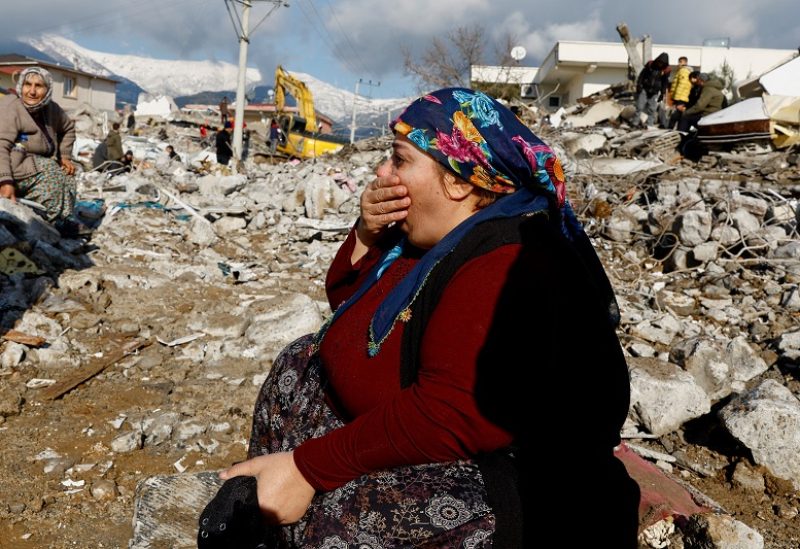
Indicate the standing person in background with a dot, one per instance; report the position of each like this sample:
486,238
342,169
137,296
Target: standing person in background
114,144
131,124
274,136
404,421
223,110
36,138
651,88
223,144
679,90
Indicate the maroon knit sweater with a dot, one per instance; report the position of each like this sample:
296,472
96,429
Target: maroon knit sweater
435,419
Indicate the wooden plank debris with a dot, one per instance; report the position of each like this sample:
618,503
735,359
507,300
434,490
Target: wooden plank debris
91,370
23,338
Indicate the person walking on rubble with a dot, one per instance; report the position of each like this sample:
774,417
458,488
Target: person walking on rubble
223,111
36,139
651,88
405,422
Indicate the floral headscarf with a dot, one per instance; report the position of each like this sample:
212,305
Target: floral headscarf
48,81
482,142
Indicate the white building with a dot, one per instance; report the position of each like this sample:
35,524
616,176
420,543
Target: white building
575,69
71,87
524,76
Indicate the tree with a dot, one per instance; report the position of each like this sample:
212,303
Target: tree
724,73
446,63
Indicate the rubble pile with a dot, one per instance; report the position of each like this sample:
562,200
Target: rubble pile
166,322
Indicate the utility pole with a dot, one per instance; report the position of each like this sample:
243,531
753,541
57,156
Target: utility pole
244,40
242,28
355,102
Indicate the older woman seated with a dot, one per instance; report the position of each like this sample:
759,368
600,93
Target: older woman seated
469,389
36,138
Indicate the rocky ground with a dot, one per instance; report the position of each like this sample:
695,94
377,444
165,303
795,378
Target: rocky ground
210,274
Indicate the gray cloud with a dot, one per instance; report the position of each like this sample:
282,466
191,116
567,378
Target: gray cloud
380,28
365,36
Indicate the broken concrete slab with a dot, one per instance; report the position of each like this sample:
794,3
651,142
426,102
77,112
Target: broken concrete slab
663,396
617,166
167,508
25,224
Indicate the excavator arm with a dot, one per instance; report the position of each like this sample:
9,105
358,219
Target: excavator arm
286,83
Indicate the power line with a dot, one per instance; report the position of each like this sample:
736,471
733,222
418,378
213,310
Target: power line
347,39
344,59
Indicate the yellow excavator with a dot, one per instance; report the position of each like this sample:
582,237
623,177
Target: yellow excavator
303,139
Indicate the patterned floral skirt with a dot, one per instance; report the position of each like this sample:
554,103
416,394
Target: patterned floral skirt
440,505
50,187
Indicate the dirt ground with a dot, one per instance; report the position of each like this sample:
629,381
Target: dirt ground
84,497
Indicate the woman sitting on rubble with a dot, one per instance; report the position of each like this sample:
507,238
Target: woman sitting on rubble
36,138
407,420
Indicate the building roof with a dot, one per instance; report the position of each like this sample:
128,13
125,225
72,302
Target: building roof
15,61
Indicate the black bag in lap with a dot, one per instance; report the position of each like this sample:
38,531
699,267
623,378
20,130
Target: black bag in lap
233,518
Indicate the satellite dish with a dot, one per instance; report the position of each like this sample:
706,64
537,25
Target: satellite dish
518,53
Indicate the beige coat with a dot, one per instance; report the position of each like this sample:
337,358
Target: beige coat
16,163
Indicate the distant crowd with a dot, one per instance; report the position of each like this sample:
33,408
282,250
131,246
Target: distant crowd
675,101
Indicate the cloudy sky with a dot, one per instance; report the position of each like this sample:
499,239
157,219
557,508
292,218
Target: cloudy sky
341,41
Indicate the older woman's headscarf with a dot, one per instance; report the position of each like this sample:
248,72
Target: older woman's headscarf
484,143
46,78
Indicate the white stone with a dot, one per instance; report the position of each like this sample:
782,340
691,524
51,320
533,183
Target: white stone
745,222
159,429
788,251
706,251
213,186
756,206
664,397
13,354
781,213
619,226
694,227
726,235
587,143
229,224
767,421
127,442
189,429
201,232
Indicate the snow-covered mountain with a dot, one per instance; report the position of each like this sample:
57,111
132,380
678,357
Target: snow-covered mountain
156,76
178,78
338,103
